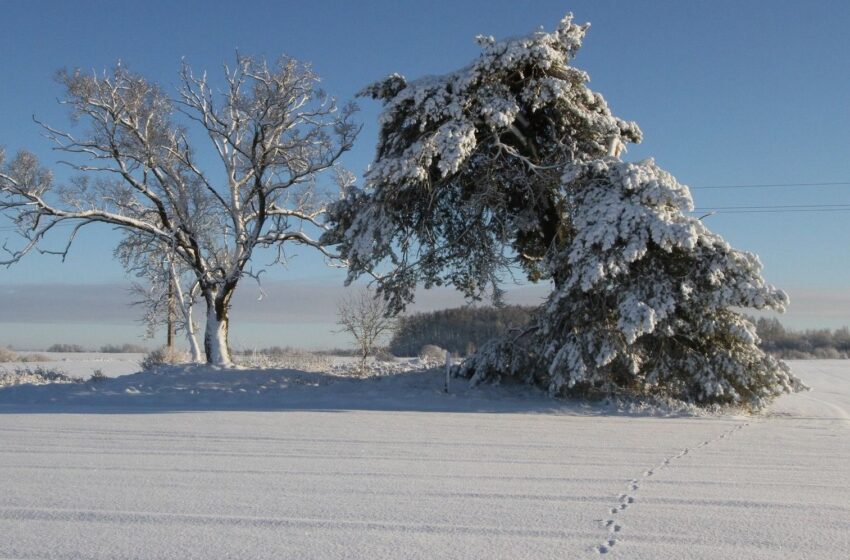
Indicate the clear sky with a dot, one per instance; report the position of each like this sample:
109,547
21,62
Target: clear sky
726,92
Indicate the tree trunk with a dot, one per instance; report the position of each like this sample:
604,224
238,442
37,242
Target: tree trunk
215,336
174,288
194,347
169,336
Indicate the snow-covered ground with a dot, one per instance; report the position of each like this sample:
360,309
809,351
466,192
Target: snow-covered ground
253,464
81,364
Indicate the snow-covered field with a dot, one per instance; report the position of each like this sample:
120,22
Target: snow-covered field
248,464
81,364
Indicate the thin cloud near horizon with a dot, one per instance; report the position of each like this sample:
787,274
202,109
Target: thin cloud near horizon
300,301
288,302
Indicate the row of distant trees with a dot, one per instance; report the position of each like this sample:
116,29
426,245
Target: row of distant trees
460,330
126,348
463,330
812,343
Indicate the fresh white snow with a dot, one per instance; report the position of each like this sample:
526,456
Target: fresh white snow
200,463
81,364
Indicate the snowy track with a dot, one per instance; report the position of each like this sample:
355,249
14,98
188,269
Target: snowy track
408,483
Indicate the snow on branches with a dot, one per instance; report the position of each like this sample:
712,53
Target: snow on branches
511,163
644,300
467,163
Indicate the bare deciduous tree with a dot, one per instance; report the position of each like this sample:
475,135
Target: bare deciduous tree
365,317
272,130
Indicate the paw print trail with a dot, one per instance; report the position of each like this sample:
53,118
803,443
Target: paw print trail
613,525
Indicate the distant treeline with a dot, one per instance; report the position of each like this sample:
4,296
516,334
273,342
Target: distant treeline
463,330
460,330
801,345
106,349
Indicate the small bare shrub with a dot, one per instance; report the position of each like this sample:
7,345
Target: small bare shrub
827,353
97,376
286,358
162,356
7,355
37,376
431,353
384,355
34,358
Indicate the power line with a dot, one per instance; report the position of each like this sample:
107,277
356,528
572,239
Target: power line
771,211
773,185
778,206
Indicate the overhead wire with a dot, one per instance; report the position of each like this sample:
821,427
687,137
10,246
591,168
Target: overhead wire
772,185
763,209
768,211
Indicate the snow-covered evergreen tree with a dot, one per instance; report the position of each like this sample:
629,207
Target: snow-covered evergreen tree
511,162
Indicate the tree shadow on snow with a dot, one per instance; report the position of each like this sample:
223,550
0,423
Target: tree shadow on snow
207,389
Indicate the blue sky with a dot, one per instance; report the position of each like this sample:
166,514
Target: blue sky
726,92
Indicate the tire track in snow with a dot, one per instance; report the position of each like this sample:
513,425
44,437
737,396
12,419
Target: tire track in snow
612,524
123,518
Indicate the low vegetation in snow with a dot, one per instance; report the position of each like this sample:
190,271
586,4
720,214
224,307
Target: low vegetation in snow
7,355
35,376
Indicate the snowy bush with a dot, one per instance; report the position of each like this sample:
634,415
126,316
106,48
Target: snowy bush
37,376
384,355
7,355
431,352
377,368
97,376
285,358
512,163
828,354
163,356
34,358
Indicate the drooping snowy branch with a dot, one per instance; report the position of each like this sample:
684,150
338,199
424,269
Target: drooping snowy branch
645,300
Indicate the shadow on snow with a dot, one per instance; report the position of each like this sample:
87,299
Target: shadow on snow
198,388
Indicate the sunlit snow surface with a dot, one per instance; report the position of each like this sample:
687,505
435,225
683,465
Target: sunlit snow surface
80,364
315,467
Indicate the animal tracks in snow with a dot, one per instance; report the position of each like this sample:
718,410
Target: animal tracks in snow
626,500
